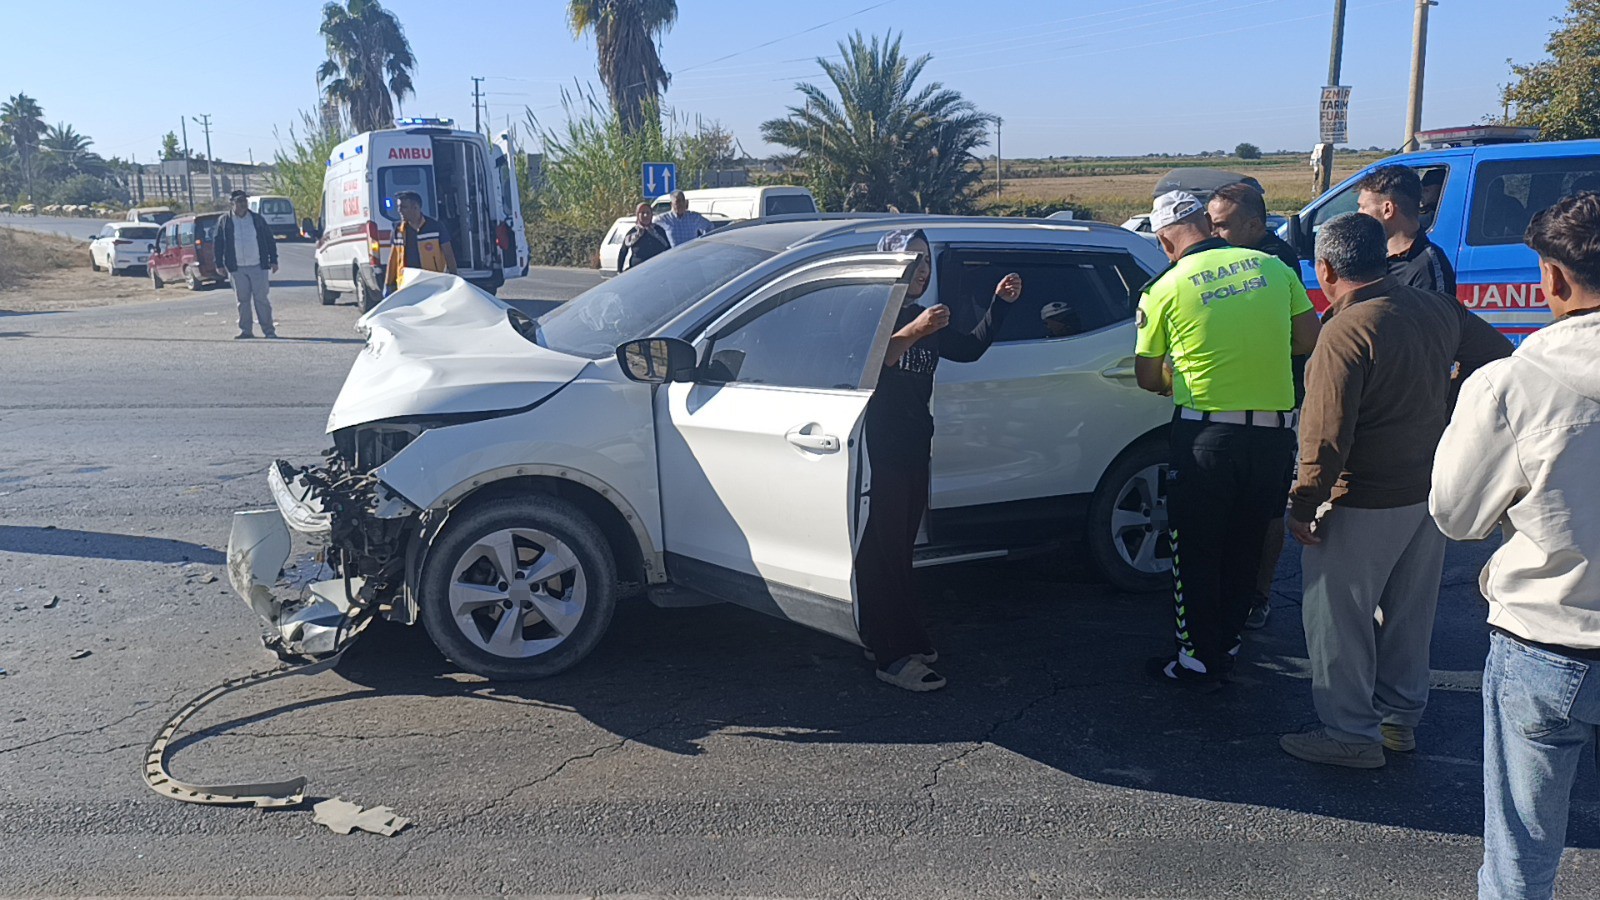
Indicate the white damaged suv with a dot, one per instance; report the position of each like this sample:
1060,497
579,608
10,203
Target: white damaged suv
691,430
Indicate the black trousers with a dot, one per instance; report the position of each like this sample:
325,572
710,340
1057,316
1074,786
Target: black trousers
888,609
1227,483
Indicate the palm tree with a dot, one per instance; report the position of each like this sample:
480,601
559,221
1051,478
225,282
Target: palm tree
625,35
22,119
368,69
877,141
66,153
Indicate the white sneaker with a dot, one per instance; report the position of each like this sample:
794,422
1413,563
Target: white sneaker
912,675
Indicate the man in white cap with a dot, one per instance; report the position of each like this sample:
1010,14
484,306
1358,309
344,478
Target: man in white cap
1216,330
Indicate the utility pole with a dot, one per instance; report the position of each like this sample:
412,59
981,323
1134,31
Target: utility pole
1335,59
1419,59
211,167
999,159
188,174
477,103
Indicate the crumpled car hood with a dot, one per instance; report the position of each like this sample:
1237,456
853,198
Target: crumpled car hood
440,346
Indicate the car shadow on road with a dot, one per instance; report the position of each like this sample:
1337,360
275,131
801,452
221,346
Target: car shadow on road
49,541
1045,668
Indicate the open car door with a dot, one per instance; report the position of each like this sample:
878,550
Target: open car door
515,256
764,475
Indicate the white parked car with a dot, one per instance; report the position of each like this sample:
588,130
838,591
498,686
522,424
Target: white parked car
744,203
692,429
122,246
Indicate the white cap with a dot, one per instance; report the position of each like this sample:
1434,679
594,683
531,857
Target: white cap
1054,309
1172,207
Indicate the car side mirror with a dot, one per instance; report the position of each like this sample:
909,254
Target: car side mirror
657,360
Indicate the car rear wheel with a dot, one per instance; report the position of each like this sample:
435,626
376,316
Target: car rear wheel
191,279
518,589
1127,532
366,298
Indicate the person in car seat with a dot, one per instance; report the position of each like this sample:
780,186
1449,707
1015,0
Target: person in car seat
899,435
420,242
1060,320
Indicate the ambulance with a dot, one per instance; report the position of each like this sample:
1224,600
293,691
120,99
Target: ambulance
466,182
1481,187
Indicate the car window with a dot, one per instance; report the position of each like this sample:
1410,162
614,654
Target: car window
641,300
107,231
138,233
786,204
820,337
1082,291
276,206
618,232
186,234
1507,194
394,179
206,229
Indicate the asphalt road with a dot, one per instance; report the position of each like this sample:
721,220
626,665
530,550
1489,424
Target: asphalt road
703,752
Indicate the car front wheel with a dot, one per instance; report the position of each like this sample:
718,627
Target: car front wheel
1127,532
518,589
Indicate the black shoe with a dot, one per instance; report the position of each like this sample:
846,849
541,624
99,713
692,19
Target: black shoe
271,337
1259,613
244,336
1167,670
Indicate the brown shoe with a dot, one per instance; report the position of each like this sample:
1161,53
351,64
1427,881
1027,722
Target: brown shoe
1319,747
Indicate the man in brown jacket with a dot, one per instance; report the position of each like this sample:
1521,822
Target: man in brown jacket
1377,401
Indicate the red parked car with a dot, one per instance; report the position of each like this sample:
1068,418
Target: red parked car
183,252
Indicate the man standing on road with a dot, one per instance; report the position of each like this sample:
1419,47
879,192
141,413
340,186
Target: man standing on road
1393,196
420,242
643,241
1377,400
1239,215
1229,319
246,253
683,224
1521,454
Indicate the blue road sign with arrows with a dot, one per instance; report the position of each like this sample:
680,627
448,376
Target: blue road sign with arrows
659,178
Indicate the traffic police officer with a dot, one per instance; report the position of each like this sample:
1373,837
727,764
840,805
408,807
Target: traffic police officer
1228,319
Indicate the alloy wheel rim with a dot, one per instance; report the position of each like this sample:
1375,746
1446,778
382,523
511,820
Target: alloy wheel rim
1139,522
517,593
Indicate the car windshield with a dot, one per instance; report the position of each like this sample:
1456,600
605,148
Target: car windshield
641,300
137,233
159,218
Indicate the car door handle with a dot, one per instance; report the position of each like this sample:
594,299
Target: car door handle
808,437
1123,369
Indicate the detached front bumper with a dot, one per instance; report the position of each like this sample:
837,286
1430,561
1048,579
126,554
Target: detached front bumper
308,610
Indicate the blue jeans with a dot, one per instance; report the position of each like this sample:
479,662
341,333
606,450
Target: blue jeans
1540,709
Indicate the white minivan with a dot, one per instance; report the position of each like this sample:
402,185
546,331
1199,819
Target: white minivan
743,203
691,430
279,213
465,181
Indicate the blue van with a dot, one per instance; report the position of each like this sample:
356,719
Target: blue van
1486,196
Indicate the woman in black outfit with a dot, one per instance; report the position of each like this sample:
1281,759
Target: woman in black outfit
899,434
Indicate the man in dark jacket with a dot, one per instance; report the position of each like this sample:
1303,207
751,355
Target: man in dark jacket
1377,401
1239,216
246,252
644,240
1393,196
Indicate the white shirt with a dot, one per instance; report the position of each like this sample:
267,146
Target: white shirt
246,252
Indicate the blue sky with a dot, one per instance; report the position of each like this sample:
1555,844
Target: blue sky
1068,76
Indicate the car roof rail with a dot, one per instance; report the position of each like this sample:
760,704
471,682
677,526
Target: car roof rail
849,223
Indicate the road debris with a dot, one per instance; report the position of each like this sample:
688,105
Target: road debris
81,654
343,817
53,602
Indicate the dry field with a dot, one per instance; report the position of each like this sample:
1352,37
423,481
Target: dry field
46,272
1112,190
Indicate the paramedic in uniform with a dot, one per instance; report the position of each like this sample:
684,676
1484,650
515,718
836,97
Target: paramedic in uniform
1228,319
419,242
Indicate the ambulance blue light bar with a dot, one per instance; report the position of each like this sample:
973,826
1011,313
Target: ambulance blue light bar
413,121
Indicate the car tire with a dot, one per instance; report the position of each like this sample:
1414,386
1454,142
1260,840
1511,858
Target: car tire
327,297
464,588
155,278
94,266
1127,533
366,298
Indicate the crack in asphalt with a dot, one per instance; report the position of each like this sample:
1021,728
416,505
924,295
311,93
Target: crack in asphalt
98,728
